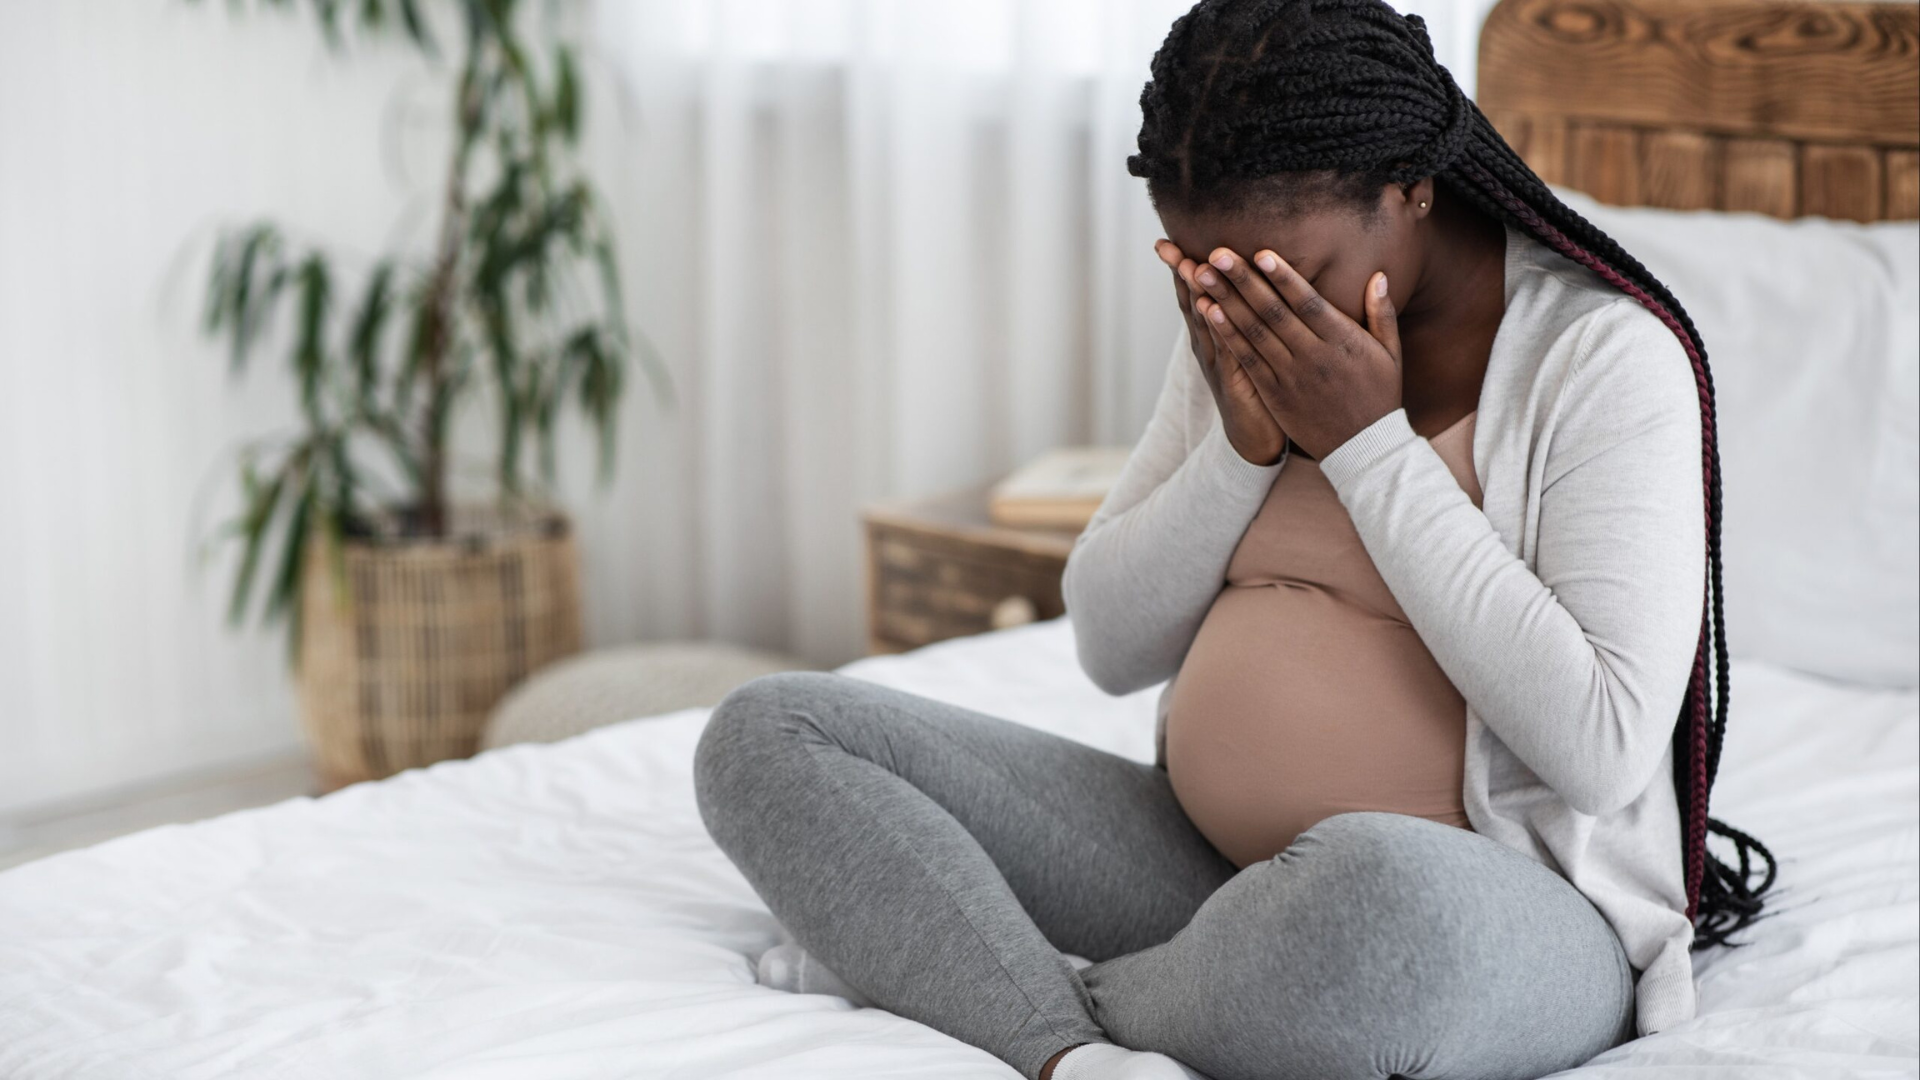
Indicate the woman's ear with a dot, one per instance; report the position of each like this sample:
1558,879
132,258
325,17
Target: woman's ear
1419,197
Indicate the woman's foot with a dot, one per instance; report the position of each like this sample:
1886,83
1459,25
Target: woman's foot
791,968
1105,1061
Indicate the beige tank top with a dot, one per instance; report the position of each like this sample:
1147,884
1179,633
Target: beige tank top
1306,692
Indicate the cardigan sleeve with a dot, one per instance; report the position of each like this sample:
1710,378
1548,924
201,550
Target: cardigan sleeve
1141,576
1579,664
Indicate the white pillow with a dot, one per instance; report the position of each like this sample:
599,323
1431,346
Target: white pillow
1812,330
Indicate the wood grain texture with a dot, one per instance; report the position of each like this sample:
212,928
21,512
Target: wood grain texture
1541,141
1841,182
1781,107
1760,175
1903,185
1822,70
938,568
1549,138
1680,170
1605,163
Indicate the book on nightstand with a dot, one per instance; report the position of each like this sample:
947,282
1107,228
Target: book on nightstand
1060,489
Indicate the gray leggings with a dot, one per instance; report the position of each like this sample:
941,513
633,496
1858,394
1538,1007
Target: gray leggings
942,860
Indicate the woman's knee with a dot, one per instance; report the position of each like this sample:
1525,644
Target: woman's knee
749,732
1375,835
1476,943
1382,856
1416,890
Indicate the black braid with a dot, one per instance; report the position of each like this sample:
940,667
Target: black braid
1295,100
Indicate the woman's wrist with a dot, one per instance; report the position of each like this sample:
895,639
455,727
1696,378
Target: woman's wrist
1224,460
1368,445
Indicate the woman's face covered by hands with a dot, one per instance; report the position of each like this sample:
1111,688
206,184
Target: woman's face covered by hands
1305,303
1336,248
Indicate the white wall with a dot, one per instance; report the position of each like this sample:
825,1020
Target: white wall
130,130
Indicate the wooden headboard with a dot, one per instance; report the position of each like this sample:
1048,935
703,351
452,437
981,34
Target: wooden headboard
1786,107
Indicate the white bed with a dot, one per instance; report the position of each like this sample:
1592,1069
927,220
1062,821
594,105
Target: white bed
557,911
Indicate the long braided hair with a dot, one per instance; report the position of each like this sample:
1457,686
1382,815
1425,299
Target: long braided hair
1346,96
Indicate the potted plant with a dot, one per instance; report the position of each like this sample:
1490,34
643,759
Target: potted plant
408,615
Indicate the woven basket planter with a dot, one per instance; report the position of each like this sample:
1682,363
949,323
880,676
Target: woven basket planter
401,662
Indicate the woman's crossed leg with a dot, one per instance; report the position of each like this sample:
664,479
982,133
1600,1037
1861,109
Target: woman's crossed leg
942,860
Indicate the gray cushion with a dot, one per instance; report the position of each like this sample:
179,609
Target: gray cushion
606,686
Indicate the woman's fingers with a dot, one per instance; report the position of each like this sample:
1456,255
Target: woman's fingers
1187,272
1323,319
1198,339
1214,283
1232,347
1383,320
1260,313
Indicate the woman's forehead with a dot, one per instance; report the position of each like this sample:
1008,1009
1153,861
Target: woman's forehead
1297,238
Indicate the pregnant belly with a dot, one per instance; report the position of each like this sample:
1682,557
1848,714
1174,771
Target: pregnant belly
1292,706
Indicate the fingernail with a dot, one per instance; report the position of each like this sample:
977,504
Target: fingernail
1223,260
1266,261
1218,314
1206,277
1380,285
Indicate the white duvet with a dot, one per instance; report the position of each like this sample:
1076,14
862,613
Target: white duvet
558,911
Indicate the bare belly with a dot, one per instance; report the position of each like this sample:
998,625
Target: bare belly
1293,706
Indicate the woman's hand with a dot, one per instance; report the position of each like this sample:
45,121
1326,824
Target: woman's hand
1249,424
1321,375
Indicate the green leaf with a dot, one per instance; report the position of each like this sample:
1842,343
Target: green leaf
599,390
329,13
512,426
419,341
333,526
293,549
245,313
479,19
310,347
256,515
345,477
396,439
566,95
416,27
610,294
364,341
219,287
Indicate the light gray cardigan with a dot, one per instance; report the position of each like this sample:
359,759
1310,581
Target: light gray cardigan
1566,609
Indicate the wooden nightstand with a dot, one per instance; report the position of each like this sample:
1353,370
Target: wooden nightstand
939,568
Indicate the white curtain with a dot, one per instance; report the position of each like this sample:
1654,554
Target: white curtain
886,247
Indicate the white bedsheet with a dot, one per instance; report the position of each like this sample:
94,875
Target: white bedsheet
558,911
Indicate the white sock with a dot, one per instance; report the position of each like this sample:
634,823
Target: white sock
791,968
1105,1061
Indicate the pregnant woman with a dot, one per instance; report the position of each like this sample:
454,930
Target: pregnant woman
1423,537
